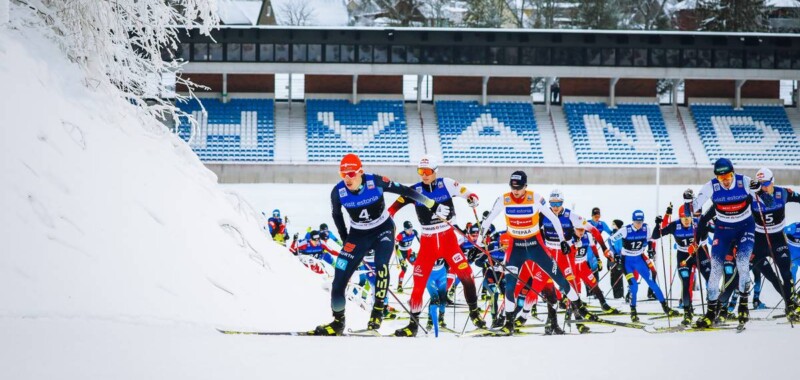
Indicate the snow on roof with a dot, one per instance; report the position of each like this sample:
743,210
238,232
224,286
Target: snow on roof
239,12
324,12
783,3
686,4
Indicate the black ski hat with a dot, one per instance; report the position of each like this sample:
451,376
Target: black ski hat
518,180
596,211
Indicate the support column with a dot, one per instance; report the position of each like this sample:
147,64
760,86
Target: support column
548,82
289,87
224,87
484,90
355,89
738,103
675,83
797,94
612,96
419,92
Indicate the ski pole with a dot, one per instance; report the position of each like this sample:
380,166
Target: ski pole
398,300
771,252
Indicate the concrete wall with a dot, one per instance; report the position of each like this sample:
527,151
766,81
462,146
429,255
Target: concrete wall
213,81
599,87
445,85
699,88
380,84
329,84
589,175
251,83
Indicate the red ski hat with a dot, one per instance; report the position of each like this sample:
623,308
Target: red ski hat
350,163
684,212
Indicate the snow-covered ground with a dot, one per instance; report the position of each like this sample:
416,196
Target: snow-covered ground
121,255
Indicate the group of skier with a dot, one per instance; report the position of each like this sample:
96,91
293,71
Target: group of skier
548,251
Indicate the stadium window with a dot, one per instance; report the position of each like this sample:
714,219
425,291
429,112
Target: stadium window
348,54
215,52
703,58
767,60
186,52
658,57
752,59
672,58
444,55
784,60
625,57
332,53
689,58
299,53
281,53
593,56
201,52
314,53
496,55
528,56
398,54
721,58
640,57
248,52
608,57
541,56
381,54
429,55
234,52
569,56
735,59
512,55
266,53
413,54
796,61
365,53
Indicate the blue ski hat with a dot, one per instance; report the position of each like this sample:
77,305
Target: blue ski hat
276,213
723,166
638,216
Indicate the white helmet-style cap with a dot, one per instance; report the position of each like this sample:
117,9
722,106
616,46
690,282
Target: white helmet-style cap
428,162
557,194
765,176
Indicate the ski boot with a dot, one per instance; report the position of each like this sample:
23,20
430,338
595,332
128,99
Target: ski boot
429,324
669,311
451,296
758,305
334,328
650,294
441,320
608,309
400,288
707,320
508,328
581,312
634,314
551,325
534,313
375,318
389,313
520,321
583,329
628,297
498,322
744,313
411,329
477,320
687,316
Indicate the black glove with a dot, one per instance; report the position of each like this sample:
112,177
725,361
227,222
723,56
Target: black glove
294,237
565,247
669,209
688,195
659,219
754,185
651,252
618,223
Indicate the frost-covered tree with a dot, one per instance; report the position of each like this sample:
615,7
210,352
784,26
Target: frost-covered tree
296,12
124,42
485,13
733,15
544,13
643,14
597,14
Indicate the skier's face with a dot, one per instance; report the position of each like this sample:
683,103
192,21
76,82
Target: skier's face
556,206
637,225
518,193
579,232
769,189
352,179
726,179
427,175
686,221
596,217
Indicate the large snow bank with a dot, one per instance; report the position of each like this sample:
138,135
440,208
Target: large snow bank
107,215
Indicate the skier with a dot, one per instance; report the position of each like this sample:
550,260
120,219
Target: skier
769,212
371,227
793,238
617,273
277,228
684,232
437,290
734,227
595,263
324,234
634,259
314,246
438,240
522,209
404,252
582,243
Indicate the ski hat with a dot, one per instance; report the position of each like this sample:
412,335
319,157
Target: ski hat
323,227
314,234
518,180
723,166
407,225
765,177
596,211
557,194
474,229
638,216
350,163
685,212
428,162
276,213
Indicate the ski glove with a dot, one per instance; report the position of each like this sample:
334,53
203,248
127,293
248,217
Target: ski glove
688,195
472,200
565,247
754,185
659,219
669,209
442,211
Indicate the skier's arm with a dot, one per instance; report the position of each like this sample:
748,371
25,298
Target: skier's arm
496,210
334,238
702,226
329,250
702,196
547,213
396,188
399,203
791,196
457,190
338,215
596,235
622,233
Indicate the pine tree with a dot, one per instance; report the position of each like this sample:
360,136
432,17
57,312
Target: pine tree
484,13
597,14
733,15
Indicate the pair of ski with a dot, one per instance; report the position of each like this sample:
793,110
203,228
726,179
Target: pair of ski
521,331
690,329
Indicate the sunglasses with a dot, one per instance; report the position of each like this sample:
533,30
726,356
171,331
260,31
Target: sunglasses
556,204
766,183
351,174
725,176
315,238
425,171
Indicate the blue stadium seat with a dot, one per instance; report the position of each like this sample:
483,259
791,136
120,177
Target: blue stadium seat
242,130
500,132
374,129
755,135
625,135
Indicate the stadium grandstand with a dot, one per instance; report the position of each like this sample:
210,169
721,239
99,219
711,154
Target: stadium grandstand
577,106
